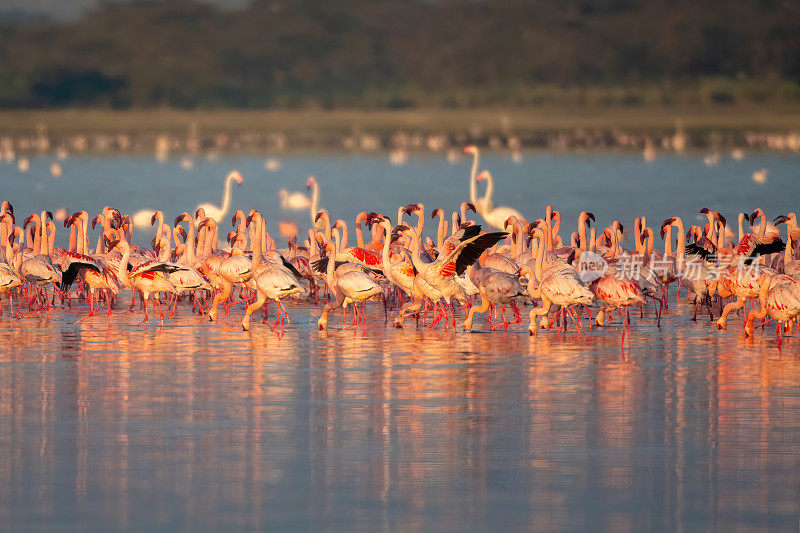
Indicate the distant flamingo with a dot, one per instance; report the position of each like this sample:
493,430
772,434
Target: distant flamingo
494,216
219,213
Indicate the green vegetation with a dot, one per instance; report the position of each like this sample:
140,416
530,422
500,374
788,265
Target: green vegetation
405,54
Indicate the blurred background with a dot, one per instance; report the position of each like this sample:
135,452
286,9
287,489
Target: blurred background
397,54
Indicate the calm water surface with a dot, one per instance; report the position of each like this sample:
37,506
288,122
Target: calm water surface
197,427
193,426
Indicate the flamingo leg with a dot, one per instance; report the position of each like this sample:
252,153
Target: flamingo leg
160,312
146,318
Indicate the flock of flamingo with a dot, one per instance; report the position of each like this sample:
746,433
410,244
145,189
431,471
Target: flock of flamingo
463,267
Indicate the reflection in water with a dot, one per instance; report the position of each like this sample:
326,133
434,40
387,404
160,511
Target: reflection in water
203,426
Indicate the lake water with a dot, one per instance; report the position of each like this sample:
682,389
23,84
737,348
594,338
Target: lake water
193,426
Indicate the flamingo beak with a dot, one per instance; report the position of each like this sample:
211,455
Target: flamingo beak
180,218
590,215
153,219
722,220
27,221
10,209
704,210
471,207
249,219
666,223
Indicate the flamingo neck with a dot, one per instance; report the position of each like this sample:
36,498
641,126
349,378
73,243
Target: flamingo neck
741,228
487,197
359,235
344,237
37,237
256,243
668,242
226,196
538,267
681,243
73,238
314,200
582,231
122,270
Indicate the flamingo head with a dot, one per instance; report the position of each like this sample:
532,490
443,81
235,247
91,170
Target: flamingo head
755,214
200,213
231,237
667,222
9,208
589,216
154,218
362,217
48,214
705,211
339,224
111,243
376,218
320,215
483,175
471,149
439,212
253,216
68,221
311,182
721,219
779,219
468,206
510,221
410,208
533,226
237,177
183,217
27,221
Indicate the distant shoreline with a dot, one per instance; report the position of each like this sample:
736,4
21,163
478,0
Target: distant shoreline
768,127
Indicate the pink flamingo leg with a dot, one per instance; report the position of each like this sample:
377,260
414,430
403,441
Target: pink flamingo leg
146,318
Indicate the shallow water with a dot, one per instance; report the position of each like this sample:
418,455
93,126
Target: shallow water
200,427
105,425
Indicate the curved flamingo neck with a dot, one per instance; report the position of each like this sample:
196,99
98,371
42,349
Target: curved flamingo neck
226,196
122,270
762,226
487,197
